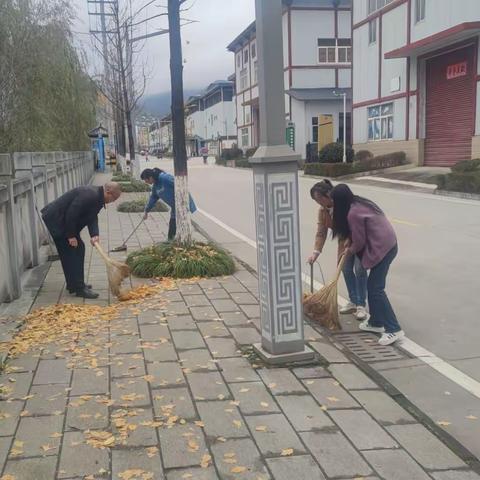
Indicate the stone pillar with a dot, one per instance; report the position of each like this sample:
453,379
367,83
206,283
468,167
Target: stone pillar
275,173
52,166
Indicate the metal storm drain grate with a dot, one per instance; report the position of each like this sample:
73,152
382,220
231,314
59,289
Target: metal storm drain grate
365,346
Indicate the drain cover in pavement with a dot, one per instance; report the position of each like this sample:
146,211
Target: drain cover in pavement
365,347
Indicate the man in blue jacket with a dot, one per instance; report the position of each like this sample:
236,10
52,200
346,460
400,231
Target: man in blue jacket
65,218
163,188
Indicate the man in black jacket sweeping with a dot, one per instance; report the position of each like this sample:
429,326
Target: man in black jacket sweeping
66,217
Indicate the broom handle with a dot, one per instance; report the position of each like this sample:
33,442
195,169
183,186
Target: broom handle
101,252
311,278
134,230
341,263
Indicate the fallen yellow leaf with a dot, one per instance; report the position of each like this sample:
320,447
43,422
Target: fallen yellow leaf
286,452
237,423
261,428
238,469
206,461
443,423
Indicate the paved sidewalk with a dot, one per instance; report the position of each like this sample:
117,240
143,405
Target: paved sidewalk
166,391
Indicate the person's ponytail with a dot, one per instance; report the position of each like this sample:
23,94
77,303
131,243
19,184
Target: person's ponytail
157,172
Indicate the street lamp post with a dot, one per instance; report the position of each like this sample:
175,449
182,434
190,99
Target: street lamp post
344,95
275,176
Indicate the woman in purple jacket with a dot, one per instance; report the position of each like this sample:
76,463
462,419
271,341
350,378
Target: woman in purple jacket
364,226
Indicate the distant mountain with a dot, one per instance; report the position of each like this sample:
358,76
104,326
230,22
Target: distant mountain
158,104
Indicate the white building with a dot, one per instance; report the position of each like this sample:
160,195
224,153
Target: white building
415,78
317,62
210,118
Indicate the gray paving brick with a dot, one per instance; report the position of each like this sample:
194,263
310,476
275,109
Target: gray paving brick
165,374
217,294
5,443
177,308
208,386
181,322
244,298
125,344
222,419
129,365
311,334
138,459
251,311
237,370
362,430
225,305
24,363
330,393
330,353
52,371
74,453
336,455
254,398
234,319
272,434
213,329
310,372
160,353
32,468
190,289
208,284
176,400
193,473
245,335
152,316
9,416
246,455
456,475
281,381
124,326
47,399
384,409
85,415
351,377
87,381
187,340
233,286
203,313
172,296
197,301
426,449
197,360
141,419
302,467
36,431
395,465
304,413
154,333
182,446
222,347
130,392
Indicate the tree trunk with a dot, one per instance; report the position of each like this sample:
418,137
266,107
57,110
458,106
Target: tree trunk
184,227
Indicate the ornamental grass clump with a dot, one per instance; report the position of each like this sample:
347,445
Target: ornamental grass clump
138,206
172,260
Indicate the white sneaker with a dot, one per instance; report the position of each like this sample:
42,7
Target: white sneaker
361,313
348,308
389,338
366,327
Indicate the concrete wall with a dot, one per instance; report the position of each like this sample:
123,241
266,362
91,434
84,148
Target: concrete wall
28,181
413,148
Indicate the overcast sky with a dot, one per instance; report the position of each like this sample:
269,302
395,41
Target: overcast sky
204,43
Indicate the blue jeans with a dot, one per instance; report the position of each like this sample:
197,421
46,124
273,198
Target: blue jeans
356,280
381,312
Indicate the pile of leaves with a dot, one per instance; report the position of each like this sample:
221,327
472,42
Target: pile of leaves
172,260
138,206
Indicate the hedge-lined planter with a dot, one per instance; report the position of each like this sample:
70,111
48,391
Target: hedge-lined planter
340,169
465,177
138,206
172,260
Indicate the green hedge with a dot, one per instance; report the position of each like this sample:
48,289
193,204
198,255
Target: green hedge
333,153
134,186
465,177
341,169
138,206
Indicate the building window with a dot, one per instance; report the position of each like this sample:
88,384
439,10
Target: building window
245,56
239,60
255,72
372,31
244,137
254,50
419,10
374,5
243,79
332,50
314,129
380,122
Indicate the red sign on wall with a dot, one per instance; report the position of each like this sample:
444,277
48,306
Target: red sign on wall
457,70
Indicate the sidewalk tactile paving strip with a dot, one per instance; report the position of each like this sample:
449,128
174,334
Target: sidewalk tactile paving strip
365,346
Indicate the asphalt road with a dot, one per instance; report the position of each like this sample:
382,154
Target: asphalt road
434,283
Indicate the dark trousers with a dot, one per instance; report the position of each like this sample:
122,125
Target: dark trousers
172,228
73,260
381,311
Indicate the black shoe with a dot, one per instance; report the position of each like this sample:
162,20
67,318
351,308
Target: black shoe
74,290
86,293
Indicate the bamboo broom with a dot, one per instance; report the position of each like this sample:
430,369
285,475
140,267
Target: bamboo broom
116,271
322,306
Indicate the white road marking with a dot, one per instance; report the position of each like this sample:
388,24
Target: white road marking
414,349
